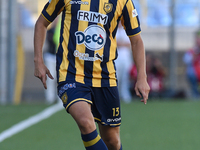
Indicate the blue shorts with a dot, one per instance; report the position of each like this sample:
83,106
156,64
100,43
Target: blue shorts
104,101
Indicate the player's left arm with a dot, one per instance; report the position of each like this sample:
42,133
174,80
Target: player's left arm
141,87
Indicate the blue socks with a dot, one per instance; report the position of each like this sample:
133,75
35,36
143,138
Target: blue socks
93,141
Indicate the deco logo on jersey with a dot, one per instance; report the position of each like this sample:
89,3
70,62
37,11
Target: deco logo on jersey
108,7
92,17
94,37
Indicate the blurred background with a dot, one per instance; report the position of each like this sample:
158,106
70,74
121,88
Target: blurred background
168,31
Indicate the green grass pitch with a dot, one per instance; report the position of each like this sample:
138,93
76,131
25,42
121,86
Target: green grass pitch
159,125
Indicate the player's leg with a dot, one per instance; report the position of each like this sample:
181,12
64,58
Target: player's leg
81,112
107,112
111,136
77,100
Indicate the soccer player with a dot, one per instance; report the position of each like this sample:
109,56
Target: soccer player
86,73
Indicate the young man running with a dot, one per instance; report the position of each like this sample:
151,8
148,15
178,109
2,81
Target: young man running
86,75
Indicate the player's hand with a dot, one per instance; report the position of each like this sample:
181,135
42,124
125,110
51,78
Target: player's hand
142,90
41,72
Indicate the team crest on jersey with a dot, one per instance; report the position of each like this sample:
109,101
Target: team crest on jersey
108,7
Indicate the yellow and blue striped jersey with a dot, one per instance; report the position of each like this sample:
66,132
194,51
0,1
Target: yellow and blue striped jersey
88,48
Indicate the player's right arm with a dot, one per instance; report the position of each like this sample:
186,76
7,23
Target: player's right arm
41,71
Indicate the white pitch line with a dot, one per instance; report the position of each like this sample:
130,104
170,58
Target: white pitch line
30,121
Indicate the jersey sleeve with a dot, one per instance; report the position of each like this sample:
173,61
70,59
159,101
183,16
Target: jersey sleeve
52,9
130,19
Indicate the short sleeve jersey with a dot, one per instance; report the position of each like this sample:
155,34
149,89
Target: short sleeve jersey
87,47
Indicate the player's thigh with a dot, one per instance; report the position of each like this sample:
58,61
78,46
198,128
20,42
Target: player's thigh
81,112
77,100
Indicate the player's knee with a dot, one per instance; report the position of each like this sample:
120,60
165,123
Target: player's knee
86,125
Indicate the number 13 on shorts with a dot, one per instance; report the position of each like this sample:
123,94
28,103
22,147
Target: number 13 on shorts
115,111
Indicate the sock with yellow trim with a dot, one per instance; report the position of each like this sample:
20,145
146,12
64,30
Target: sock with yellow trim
93,141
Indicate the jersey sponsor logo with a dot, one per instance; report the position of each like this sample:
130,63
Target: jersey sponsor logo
92,17
108,7
134,13
79,2
94,37
85,56
114,120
